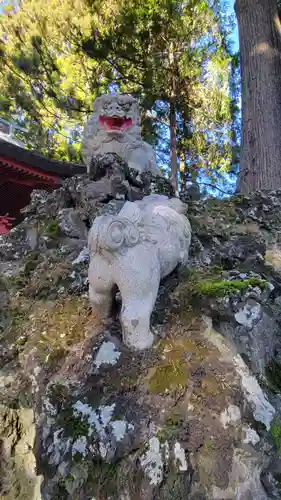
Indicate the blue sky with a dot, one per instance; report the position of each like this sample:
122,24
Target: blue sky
3,3
230,4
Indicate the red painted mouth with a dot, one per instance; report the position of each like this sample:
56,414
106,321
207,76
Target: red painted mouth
115,122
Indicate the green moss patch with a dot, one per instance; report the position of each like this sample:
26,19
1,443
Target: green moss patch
17,318
29,264
212,282
51,229
275,431
174,423
224,287
54,327
173,370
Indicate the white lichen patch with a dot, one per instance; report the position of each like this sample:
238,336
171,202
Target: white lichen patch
101,421
47,427
125,496
49,407
82,257
250,435
37,370
244,479
62,468
119,429
249,315
80,446
107,354
262,409
180,460
6,380
98,419
152,462
104,449
58,448
166,451
230,415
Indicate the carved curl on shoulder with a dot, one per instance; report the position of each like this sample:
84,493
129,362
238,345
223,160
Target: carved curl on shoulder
111,234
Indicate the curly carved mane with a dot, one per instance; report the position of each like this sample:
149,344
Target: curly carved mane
156,220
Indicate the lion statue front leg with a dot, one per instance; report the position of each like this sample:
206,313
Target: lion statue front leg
138,279
101,288
137,276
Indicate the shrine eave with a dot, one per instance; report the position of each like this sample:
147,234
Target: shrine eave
29,168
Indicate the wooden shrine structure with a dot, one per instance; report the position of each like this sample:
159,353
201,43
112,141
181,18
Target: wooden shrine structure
21,171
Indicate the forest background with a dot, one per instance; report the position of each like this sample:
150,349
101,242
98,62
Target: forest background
179,59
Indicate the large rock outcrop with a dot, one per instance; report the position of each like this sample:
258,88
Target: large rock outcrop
132,252
195,417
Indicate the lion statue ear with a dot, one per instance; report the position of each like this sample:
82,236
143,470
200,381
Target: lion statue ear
97,104
134,109
131,212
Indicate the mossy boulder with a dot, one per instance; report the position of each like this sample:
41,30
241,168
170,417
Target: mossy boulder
158,421
195,417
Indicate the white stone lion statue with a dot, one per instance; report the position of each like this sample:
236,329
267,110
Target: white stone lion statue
132,252
114,127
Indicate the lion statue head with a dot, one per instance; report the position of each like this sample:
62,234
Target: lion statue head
116,118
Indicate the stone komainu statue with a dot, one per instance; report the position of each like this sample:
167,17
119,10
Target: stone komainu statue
133,251
114,127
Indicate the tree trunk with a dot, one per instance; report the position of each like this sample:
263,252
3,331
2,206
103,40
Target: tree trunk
259,35
173,145
173,119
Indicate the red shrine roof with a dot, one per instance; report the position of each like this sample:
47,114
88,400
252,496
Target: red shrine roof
21,171
27,167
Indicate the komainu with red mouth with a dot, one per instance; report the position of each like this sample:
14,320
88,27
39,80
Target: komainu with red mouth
114,127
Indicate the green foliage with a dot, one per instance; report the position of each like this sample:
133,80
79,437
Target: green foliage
51,229
31,262
275,431
273,373
173,424
57,58
105,477
185,64
74,426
